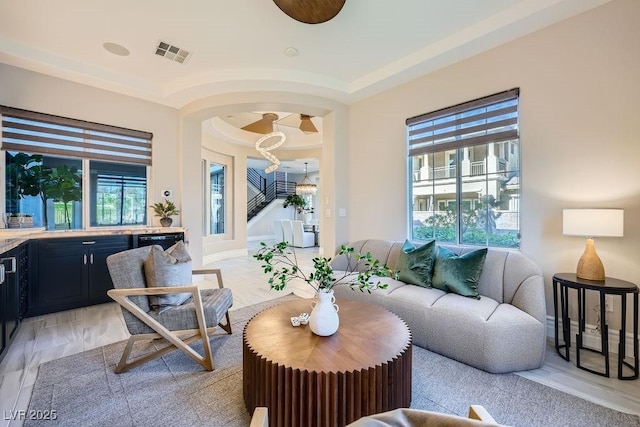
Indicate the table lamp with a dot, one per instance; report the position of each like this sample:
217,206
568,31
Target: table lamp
592,223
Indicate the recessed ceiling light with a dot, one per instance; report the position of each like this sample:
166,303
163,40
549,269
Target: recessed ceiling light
291,51
116,49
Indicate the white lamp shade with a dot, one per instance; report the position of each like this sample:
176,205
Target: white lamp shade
593,222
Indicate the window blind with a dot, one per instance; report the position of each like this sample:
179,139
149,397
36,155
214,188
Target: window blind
38,133
121,181
490,119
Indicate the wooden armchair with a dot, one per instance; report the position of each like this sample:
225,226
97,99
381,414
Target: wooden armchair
181,325
478,417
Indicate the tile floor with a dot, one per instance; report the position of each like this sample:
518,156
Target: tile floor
53,336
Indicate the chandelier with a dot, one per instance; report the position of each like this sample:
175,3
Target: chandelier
306,186
265,150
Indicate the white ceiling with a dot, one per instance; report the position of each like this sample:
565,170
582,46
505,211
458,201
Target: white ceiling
238,45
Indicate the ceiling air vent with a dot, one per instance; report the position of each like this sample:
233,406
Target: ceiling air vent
174,53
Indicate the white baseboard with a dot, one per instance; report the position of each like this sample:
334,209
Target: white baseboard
218,256
264,238
591,337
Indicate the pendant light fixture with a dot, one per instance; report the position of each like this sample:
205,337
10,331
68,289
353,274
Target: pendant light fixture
265,150
306,186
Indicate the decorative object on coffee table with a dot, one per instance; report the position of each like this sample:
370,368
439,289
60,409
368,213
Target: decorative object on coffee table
324,320
165,210
307,380
281,263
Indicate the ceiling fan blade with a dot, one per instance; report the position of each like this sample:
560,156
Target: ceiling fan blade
306,125
264,125
310,11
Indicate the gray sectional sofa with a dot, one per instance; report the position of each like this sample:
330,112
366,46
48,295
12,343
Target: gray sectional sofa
503,331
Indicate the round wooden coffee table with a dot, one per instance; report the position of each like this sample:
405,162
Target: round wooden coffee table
308,380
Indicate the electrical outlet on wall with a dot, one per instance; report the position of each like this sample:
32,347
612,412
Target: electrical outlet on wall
608,303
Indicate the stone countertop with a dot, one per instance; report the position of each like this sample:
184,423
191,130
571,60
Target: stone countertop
11,238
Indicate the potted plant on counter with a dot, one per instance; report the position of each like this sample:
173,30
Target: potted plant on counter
165,210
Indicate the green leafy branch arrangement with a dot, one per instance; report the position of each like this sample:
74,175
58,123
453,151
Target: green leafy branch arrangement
281,262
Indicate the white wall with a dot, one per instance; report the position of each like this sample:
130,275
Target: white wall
580,136
261,227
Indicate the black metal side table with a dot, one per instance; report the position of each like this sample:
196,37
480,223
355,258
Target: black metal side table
609,286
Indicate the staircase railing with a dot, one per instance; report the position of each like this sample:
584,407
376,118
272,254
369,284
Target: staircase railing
257,180
275,190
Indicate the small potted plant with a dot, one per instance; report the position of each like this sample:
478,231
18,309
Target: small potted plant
296,201
165,210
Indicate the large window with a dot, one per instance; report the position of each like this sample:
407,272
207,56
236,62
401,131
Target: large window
43,191
216,194
47,160
217,203
464,166
118,194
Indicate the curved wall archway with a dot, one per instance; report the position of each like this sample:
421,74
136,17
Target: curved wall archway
332,155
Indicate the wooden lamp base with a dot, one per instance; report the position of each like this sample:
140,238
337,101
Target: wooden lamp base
590,266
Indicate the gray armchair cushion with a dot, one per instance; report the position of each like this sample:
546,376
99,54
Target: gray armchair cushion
168,268
215,304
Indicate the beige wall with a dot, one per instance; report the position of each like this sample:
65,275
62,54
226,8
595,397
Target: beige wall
580,136
178,141
37,92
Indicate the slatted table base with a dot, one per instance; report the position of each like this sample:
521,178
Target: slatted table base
307,381
302,398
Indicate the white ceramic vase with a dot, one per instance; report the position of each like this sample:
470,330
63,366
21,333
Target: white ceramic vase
324,320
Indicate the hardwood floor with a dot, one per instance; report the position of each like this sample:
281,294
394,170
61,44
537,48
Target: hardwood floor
53,336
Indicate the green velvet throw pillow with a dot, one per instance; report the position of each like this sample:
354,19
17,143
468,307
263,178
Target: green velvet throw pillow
458,273
415,265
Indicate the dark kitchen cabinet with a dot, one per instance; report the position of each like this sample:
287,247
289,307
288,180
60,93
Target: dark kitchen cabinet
72,272
5,304
13,289
98,273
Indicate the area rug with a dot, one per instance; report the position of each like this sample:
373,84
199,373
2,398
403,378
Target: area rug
83,389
